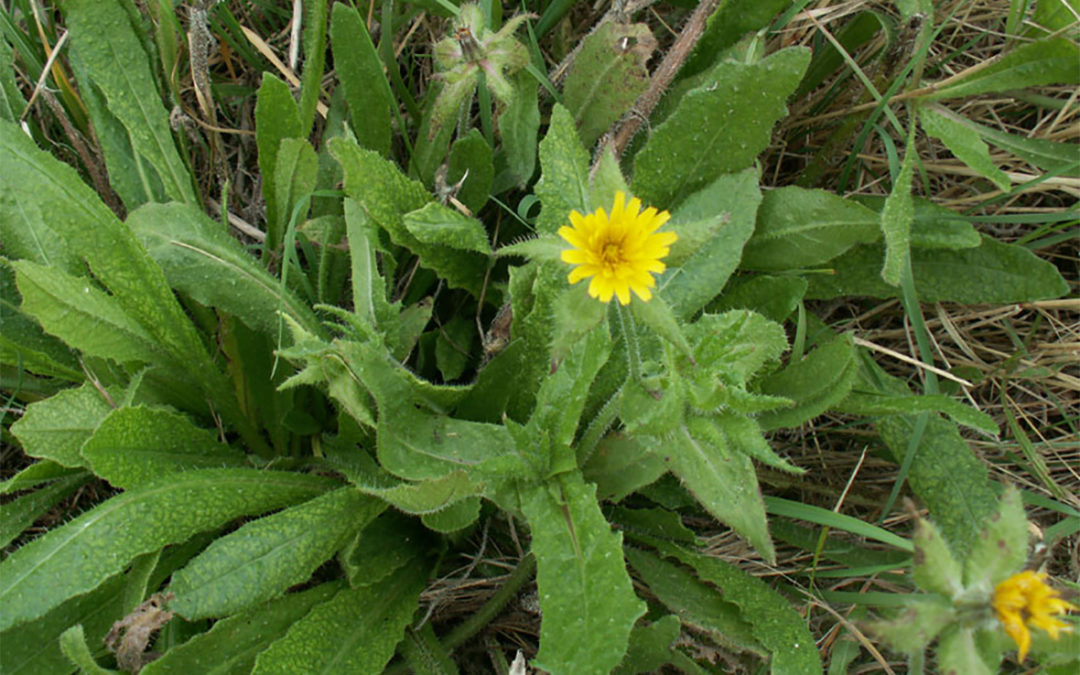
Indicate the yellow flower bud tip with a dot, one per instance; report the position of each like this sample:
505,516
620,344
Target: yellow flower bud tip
1025,600
621,251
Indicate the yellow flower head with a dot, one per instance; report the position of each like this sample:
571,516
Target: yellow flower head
1025,599
620,251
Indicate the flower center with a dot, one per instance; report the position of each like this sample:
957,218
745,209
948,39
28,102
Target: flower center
611,255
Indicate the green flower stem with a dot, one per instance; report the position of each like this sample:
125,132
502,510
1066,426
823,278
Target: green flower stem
471,626
629,330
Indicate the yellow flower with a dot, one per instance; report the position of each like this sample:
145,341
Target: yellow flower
1025,599
620,252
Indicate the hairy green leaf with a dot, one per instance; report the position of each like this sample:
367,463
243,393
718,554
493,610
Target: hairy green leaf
963,142
276,118
564,180
57,427
819,380
361,75
437,226
19,514
73,644
79,555
1032,65
717,128
868,404
799,228
1001,547
471,163
588,601
518,127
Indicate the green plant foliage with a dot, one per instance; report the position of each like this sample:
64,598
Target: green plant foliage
78,556
276,118
564,182
57,427
1037,63
472,161
583,583
816,383
719,127
607,76
963,142
361,74
104,37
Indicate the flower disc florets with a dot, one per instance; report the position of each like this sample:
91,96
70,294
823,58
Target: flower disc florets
620,251
1024,600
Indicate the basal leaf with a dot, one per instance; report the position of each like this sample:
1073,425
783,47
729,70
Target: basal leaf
56,428
1035,64
564,181
774,297
607,76
202,260
728,204
896,219
135,445
588,601
799,228
471,163
454,518
106,40
37,474
296,170
821,379
731,20
368,285
933,226
773,621
722,480
935,568
315,20
233,643
27,233
265,557
24,345
356,631
20,513
717,128
995,273
865,403
12,102
437,225
276,118
73,645
76,557
361,75
426,497
620,466
650,646
518,127
963,142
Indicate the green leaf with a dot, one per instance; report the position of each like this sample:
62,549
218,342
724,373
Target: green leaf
20,513
356,631
774,623
24,345
233,643
562,395
731,20
576,314
518,127
821,379
1047,155
33,648
896,218
27,232
368,285
934,226
79,555
620,466
314,19
85,317
957,652
296,171
657,315
107,42
56,427
387,544
993,273
202,260
913,630
872,404
945,475
265,557
586,595
1001,547
12,103
361,75
799,228
276,118
723,481
964,143
471,160
36,474
437,226
935,569
454,347
133,446
607,76
729,203
717,128
73,644
426,497
775,298
744,435
696,603
387,195
1036,64
454,518
564,181
650,646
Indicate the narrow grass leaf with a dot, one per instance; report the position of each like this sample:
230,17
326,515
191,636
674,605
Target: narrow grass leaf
79,555
106,39
585,591
837,521
356,631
